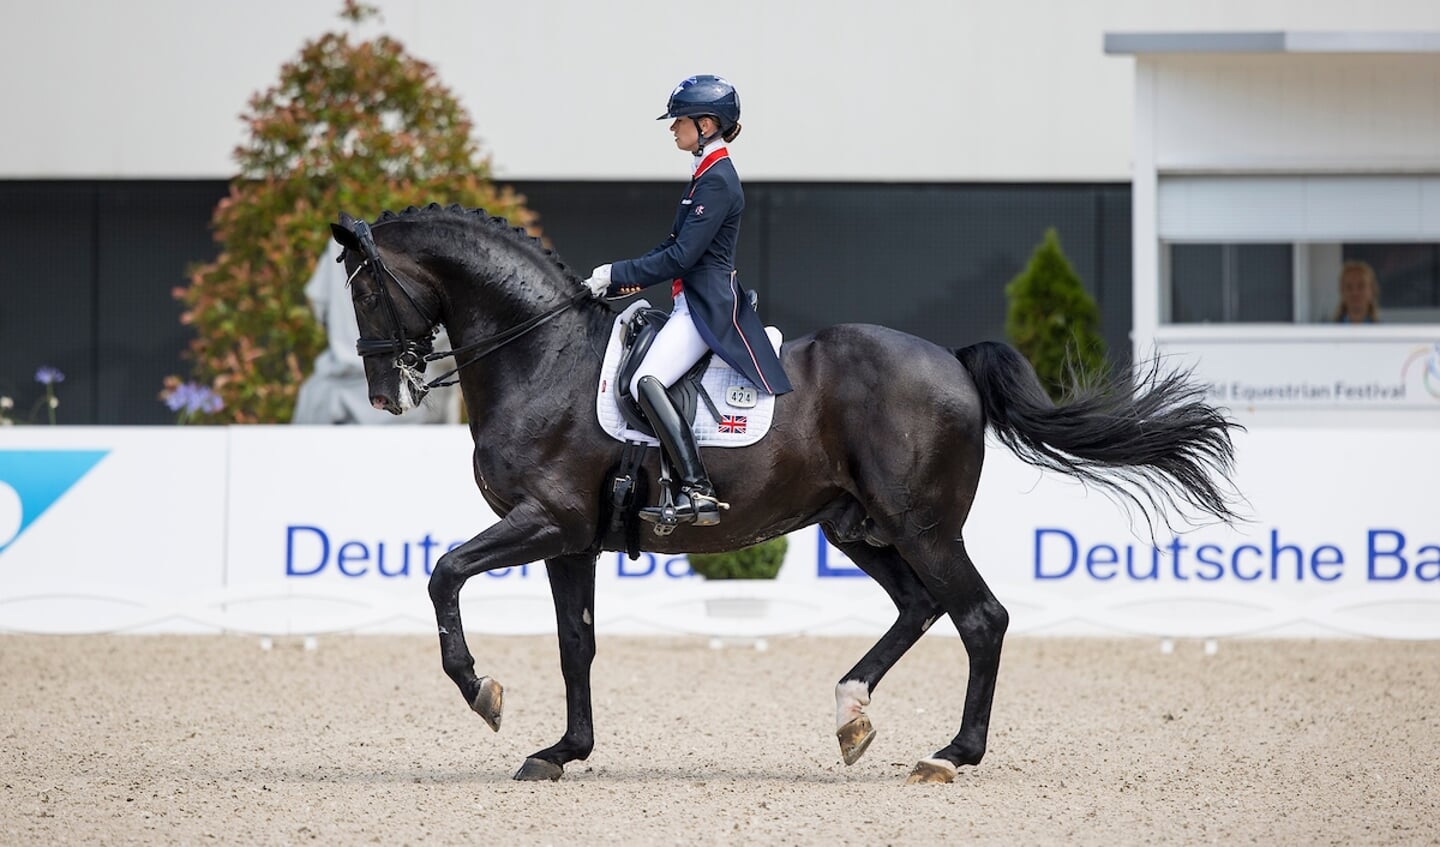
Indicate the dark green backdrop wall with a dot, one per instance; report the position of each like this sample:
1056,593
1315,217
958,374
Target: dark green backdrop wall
87,267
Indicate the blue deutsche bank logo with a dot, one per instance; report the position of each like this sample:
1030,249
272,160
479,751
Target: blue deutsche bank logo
828,563
32,480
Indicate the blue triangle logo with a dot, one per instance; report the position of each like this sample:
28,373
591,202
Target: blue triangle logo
32,480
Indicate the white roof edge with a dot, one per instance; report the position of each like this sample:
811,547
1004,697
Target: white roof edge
1135,43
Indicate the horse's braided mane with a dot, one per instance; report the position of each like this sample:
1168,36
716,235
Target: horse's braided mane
518,235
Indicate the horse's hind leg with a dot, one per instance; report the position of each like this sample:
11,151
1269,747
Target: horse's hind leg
981,622
572,586
917,611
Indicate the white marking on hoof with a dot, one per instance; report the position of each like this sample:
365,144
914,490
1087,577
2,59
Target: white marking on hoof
932,770
851,698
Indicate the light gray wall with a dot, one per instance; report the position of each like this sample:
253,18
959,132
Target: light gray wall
908,90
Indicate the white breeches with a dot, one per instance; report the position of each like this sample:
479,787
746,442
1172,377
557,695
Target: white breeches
676,349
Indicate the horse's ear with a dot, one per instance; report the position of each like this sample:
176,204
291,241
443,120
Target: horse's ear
344,234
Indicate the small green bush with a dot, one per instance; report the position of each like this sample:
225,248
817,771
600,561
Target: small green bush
1054,322
759,561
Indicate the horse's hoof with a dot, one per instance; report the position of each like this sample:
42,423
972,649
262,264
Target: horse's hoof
932,770
855,738
538,770
489,701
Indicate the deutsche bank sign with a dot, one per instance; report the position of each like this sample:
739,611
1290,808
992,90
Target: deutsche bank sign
275,528
32,480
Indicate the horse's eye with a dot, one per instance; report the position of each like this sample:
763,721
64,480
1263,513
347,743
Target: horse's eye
367,301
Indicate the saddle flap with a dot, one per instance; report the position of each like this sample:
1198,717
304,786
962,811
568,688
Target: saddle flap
736,414
638,335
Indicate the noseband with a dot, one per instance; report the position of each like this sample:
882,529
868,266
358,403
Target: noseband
412,353
408,352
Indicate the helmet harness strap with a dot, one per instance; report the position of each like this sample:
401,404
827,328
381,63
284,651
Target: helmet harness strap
700,133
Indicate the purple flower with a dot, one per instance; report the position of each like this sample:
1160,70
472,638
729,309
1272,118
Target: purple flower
46,375
180,397
191,398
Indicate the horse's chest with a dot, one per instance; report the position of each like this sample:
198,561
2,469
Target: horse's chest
487,478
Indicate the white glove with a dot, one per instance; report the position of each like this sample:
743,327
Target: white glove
599,281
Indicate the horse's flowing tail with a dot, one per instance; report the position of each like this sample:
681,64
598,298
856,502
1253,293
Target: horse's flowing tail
1153,441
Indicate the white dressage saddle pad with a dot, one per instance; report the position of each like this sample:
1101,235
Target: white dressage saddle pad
745,411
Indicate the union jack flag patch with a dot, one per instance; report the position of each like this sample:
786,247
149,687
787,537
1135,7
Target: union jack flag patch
733,423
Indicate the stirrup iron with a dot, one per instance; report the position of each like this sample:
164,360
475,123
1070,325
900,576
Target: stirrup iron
698,508
706,516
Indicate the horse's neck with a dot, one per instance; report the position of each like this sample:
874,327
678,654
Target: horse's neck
541,369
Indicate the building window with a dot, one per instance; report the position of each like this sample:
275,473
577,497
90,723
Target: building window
1409,274
1295,282
1231,283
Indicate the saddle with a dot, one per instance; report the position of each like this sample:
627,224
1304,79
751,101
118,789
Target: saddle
636,337
746,417
627,485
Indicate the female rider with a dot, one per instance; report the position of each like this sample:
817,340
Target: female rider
711,311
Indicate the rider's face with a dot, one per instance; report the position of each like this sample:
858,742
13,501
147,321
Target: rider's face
686,136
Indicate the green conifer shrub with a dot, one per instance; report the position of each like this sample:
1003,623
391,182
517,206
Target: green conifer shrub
1054,322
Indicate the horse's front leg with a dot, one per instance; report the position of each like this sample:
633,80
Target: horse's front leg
572,585
525,535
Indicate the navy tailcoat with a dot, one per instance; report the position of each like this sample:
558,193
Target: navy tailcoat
699,257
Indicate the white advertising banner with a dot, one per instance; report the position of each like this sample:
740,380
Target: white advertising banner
1334,372
302,530
338,528
112,529
1341,536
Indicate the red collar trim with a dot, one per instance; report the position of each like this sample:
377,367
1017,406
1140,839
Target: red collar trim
709,160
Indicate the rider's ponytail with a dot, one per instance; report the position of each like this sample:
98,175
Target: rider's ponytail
731,133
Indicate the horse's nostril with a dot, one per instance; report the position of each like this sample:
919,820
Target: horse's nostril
379,403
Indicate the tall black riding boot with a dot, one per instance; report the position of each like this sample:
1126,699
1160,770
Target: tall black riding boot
697,495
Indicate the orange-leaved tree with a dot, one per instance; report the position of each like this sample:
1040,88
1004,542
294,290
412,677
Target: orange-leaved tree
359,126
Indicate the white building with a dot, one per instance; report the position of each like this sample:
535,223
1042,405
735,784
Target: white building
1262,162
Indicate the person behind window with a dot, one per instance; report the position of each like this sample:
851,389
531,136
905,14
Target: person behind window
1359,294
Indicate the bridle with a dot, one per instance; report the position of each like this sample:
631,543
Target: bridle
411,354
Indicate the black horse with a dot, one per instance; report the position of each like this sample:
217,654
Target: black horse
880,443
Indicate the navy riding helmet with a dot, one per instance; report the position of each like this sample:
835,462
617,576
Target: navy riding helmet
704,94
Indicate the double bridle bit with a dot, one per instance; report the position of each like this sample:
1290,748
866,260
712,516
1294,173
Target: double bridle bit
410,353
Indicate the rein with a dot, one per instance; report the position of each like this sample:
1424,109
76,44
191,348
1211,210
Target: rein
413,352
485,346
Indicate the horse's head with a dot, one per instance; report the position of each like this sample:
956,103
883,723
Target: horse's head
397,313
